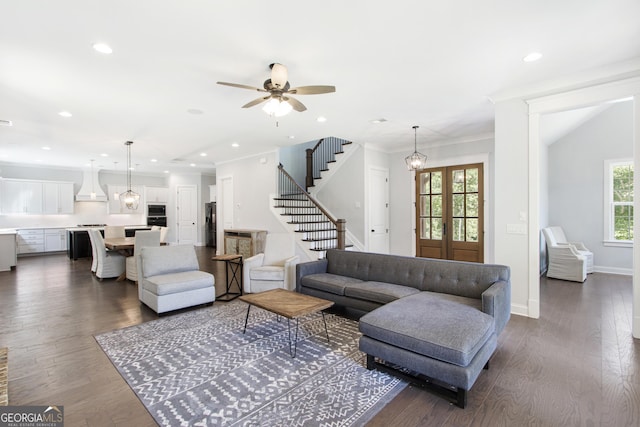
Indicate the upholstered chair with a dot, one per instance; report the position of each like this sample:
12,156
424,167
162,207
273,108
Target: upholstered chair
111,231
110,263
94,253
143,239
567,260
163,232
275,268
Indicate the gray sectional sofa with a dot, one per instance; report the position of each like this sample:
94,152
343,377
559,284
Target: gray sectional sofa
437,318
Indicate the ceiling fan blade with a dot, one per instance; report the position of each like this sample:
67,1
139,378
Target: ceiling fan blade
297,105
256,101
241,86
279,75
312,90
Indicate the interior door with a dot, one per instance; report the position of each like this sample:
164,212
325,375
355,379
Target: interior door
379,210
187,207
449,213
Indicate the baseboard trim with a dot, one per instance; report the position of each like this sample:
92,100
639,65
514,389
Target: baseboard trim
613,270
520,310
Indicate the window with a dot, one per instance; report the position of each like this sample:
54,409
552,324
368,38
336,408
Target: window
618,200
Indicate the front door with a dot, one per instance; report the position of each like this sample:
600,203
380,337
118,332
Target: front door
449,213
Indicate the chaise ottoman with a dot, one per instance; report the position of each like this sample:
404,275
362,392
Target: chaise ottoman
447,341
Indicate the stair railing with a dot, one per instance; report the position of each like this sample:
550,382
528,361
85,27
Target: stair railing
320,156
299,200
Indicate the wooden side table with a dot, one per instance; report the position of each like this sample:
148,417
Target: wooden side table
233,263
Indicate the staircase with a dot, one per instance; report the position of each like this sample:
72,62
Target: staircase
320,156
313,225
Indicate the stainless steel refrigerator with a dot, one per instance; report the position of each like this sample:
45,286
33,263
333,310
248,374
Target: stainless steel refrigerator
210,224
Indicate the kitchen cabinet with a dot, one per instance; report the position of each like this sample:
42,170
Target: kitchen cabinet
8,250
55,239
21,196
156,195
30,241
114,201
244,242
58,197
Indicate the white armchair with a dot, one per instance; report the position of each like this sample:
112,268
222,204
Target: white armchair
567,260
111,263
275,268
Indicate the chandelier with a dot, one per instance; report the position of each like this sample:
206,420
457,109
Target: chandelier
416,161
129,199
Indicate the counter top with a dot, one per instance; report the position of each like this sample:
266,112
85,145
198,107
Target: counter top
8,231
126,227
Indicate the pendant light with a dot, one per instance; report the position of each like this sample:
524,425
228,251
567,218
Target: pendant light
416,161
129,199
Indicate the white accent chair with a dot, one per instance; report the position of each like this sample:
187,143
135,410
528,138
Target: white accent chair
110,263
143,239
114,231
163,232
94,253
275,268
567,260
169,278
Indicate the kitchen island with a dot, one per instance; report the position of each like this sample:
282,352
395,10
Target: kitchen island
8,251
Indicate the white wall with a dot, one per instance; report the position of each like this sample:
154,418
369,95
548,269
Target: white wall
253,183
576,182
512,197
343,195
294,160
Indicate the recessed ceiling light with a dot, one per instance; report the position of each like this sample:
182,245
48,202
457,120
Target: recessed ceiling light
203,154
376,121
104,155
103,48
46,148
166,171
235,145
533,56
321,119
6,123
65,114
154,160
193,165
195,111
292,136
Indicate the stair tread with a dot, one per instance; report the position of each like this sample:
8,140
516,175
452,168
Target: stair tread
321,230
332,247
308,222
319,239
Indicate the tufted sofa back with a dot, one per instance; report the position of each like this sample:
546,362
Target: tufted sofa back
465,279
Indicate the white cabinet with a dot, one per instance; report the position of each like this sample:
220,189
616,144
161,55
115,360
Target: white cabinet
8,251
156,194
30,241
58,198
21,197
55,239
114,201
36,197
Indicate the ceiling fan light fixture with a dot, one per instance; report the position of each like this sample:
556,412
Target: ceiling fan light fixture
277,107
279,75
416,161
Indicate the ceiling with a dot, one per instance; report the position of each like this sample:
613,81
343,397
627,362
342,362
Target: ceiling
428,63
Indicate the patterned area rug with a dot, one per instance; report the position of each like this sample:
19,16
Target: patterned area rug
198,368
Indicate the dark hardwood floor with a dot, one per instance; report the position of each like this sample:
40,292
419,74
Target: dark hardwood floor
578,365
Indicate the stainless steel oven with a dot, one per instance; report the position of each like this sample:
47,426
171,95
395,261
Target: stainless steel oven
157,220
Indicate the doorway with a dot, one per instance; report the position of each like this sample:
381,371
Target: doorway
379,210
187,207
450,213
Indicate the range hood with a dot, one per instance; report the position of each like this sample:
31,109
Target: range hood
90,183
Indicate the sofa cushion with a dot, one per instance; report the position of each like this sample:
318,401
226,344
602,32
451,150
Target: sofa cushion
168,259
327,282
267,272
430,326
378,291
172,283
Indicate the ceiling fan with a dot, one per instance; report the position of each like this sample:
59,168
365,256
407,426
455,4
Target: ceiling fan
279,89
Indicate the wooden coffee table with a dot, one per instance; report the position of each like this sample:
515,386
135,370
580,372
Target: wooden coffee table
291,305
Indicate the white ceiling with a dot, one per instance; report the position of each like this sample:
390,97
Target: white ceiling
427,63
